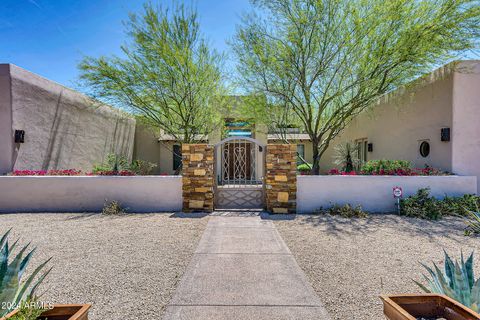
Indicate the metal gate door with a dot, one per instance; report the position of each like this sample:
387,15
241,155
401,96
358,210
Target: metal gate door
239,171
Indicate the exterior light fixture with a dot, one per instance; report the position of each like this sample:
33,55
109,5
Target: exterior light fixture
445,134
19,136
370,147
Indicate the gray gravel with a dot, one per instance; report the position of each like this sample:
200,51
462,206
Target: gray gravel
351,262
127,266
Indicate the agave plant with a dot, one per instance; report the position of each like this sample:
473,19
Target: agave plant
456,281
12,289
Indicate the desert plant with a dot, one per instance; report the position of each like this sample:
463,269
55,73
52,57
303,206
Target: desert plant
304,167
420,205
346,156
460,205
142,167
387,167
12,290
473,223
456,281
113,208
345,211
30,309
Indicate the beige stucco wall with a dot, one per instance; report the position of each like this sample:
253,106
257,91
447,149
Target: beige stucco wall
63,128
6,134
398,124
466,119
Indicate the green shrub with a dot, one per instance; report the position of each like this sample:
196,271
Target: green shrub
457,281
386,166
422,205
304,167
115,163
113,208
142,167
12,289
345,211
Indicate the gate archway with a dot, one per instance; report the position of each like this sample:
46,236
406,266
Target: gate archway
239,173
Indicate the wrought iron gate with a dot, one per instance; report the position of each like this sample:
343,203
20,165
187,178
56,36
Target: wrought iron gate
239,171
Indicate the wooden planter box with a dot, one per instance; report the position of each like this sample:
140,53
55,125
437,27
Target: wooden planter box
62,312
414,306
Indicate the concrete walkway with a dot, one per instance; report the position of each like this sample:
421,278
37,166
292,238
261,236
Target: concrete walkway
242,269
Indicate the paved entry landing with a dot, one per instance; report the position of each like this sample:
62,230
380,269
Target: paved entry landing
242,269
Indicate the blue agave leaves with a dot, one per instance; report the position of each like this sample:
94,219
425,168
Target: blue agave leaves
12,289
457,281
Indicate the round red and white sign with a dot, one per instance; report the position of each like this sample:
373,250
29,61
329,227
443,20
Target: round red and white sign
397,192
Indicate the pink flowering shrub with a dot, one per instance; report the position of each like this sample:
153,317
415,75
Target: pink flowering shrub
66,172
397,172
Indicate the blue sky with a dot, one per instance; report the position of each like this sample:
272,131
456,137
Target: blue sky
50,37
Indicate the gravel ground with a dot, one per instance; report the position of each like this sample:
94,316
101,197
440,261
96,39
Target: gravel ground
127,266
351,262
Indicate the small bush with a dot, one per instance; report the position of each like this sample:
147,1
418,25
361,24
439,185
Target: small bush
142,167
388,167
304,167
113,208
345,211
422,205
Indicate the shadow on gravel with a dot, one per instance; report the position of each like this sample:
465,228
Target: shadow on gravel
448,227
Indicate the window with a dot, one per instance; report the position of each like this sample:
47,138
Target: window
424,149
362,149
177,156
300,153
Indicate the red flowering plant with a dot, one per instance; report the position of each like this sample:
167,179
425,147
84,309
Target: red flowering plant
63,172
390,168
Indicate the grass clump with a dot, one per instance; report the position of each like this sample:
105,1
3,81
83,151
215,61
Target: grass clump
113,208
345,211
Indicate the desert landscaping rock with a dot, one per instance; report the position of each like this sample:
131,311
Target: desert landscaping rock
127,266
351,262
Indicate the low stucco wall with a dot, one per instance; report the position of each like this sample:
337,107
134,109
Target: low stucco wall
374,193
88,193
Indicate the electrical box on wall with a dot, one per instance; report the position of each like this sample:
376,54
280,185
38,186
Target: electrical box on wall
445,134
19,136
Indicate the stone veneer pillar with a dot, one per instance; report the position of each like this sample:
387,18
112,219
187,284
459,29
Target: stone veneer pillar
197,177
281,178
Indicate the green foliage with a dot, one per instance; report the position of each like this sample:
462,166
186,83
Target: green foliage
12,289
473,223
325,61
345,211
28,310
170,77
457,281
379,166
113,208
142,167
422,205
346,156
118,163
305,167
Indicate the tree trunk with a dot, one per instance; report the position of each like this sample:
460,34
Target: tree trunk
316,158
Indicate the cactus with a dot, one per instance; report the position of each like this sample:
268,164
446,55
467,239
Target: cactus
12,290
456,281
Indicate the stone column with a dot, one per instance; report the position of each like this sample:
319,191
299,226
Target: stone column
198,175
281,178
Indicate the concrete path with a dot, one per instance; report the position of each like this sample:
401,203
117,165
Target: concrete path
242,269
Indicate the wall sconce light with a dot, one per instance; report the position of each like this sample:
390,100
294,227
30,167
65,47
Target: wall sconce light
370,147
19,136
445,134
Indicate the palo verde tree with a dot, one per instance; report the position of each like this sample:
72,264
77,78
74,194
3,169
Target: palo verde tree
328,60
169,77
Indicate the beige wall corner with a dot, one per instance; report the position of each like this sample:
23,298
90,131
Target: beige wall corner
466,120
6,131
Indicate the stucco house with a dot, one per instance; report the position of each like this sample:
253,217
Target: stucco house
432,121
